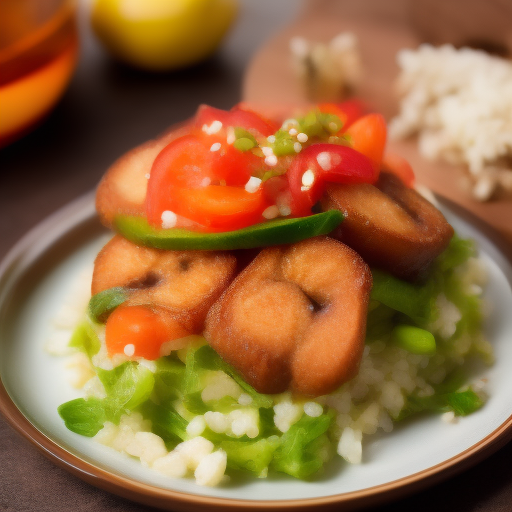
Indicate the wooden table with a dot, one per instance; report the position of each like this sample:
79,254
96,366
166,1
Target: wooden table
107,110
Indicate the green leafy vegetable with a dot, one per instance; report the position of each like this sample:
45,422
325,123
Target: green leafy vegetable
413,300
84,338
461,403
166,422
84,417
254,456
103,303
205,357
127,386
169,377
457,252
300,452
464,402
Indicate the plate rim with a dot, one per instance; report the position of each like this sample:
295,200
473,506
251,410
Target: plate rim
81,211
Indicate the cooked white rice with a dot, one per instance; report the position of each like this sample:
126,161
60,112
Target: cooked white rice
459,102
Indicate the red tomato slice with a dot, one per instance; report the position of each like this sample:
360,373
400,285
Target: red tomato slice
220,207
261,124
183,163
186,179
400,166
320,163
138,331
233,166
277,192
348,111
368,136
238,117
274,188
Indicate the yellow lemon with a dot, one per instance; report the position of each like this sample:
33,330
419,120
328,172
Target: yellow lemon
161,35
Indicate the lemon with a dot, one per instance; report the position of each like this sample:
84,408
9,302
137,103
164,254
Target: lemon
161,35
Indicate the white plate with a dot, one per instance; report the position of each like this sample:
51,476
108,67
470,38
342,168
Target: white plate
35,279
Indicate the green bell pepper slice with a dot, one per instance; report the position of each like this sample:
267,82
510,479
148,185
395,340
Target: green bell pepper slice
274,232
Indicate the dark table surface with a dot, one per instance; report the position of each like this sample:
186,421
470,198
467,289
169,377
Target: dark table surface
107,110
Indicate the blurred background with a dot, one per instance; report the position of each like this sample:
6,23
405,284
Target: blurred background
108,106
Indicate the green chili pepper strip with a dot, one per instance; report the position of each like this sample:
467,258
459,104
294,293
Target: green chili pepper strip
274,232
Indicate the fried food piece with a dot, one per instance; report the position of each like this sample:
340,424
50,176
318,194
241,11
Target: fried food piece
390,225
122,190
185,283
295,318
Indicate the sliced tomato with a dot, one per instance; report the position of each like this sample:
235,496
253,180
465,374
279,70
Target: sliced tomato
184,162
274,188
400,166
201,177
220,207
368,136
138,331
236,118
203,184
261,124
348,111
232,166
321,163
277,192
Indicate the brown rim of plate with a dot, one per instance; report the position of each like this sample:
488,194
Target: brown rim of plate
81,211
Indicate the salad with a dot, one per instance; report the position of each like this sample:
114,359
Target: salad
275,290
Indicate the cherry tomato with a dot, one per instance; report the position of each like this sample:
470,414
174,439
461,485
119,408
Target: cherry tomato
368,136
138,331
320,163
400,166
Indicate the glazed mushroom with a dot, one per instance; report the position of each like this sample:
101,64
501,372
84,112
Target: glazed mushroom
295,318
390,225
183,283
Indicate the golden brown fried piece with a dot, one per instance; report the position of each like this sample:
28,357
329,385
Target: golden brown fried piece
122,190
390,225
295,318
185,283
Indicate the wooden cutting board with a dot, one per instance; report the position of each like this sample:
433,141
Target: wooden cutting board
382,29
